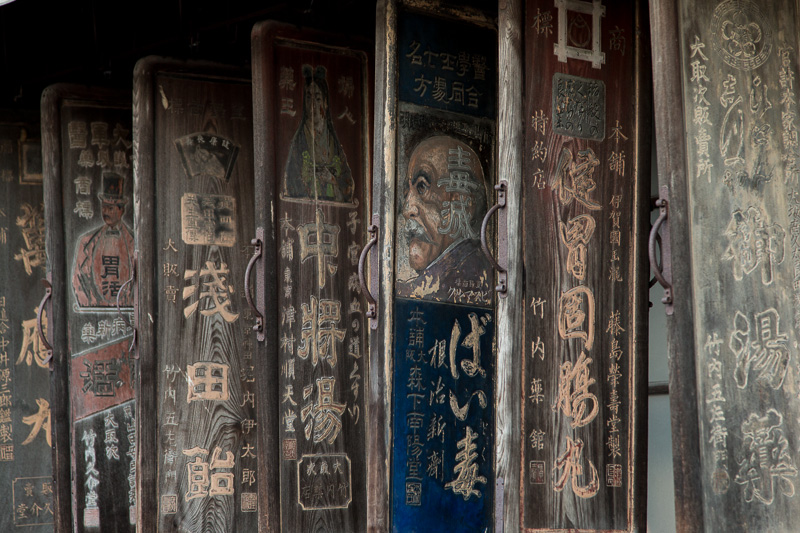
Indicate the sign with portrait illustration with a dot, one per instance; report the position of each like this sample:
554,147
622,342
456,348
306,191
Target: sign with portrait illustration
584,202
443,311
315,91
25,435
198,374
88,173
733,108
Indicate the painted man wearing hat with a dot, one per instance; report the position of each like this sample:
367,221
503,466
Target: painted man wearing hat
104,259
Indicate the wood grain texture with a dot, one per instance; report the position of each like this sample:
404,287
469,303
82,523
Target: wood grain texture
57,332
510,317
266,283
61,105
319,226
671,144
144,200
742,104
435,292
383,201
596,420
641,264
26,455
202,378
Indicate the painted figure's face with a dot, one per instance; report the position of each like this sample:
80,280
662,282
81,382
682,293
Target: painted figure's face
112,213
429,206
319,106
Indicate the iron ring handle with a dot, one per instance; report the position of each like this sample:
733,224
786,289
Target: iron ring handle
371,302
501,189
48,292
653,280
119,311
259,326
651,251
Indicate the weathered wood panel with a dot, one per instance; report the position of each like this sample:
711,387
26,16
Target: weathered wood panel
672,175
25,437
193,129
443,315
381,347
315,96
87,172
510,316
585,304
736,70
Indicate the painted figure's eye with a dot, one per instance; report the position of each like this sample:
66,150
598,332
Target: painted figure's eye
422,184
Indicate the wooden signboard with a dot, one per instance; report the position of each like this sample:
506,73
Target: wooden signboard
438,319
26,475
729,167
312,95
585,197
86,146
194,162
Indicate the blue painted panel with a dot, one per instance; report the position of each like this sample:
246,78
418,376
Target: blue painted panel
442,477
447,65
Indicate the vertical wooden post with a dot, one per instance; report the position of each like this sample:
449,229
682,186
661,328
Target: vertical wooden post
510,316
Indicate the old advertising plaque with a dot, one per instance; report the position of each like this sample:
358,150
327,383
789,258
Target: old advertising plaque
441,311
313,112
584,300
194,162
25,436
88,180
738,196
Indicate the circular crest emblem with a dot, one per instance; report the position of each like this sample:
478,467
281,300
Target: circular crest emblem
742,35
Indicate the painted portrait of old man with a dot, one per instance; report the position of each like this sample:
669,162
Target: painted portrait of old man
443,205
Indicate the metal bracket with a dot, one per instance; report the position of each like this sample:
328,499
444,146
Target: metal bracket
662,273
372,304
258,244
48,292
499,504
502,239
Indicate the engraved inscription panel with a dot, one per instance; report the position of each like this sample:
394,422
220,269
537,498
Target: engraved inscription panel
97,231
207,420
739,62
25,437
446,65
580,196
320,101
442,474
579,107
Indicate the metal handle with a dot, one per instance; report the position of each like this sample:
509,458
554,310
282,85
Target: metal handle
259,325
662,204
119,311
48,292
372,305
502,274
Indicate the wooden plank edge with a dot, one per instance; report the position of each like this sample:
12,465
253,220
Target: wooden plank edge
637,517
671,154
381,364
510,317
267,351
57,330
147,515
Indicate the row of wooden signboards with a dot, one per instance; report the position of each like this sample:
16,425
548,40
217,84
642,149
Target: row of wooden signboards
403,286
